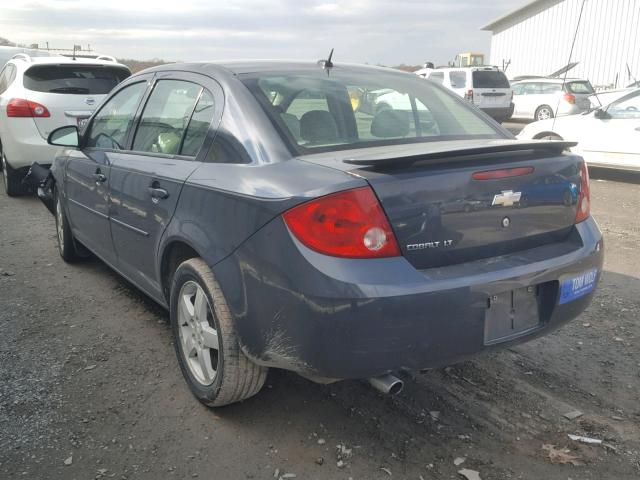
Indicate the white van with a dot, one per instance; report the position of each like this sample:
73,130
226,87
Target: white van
486,87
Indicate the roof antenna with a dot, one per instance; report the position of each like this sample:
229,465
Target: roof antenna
326,64
564,80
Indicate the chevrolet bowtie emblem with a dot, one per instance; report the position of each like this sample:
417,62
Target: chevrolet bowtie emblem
507,198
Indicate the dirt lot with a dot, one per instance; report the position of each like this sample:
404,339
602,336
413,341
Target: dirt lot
88,378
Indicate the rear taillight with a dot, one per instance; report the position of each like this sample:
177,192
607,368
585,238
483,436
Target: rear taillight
584,196
18,107
344,224
502,173
469,95
570,98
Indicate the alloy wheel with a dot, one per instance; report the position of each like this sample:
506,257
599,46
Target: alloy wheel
198,335
544,114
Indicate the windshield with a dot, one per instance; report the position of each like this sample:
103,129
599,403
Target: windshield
317,112
74,79
489,79
579,87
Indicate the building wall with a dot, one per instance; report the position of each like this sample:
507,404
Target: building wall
539,44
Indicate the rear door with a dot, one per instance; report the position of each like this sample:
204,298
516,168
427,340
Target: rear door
147,179
491,89
614,141
69,91
88,169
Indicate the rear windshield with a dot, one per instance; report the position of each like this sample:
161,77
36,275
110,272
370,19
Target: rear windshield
579,87
489,79
346,109
74,79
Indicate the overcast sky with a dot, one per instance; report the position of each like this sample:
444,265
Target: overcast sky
372,31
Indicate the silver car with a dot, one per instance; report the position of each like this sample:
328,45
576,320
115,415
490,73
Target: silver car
543,98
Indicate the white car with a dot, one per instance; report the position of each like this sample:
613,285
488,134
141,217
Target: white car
542,98
486,87
607,137
39,94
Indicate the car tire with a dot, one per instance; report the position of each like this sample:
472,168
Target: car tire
66,242
11,179
215,368
543,112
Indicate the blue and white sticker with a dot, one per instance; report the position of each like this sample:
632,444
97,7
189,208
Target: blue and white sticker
578,286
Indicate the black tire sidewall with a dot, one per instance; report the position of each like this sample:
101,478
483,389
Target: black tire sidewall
68,251
204,393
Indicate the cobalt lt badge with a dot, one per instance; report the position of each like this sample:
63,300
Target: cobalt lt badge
90,101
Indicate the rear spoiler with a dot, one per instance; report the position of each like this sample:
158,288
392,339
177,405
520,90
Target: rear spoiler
385,160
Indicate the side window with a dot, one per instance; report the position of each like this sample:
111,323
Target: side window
458,79
518,89
111,124
166,116
437,77
551,88
625,108
198,125
531,88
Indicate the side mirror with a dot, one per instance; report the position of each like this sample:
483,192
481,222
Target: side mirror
601,114
65,136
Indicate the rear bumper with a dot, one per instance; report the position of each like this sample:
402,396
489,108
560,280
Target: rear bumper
500,114
23,145
344,318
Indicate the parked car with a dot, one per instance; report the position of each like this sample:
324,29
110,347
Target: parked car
607,137
542,98
39,94
283,227
486,87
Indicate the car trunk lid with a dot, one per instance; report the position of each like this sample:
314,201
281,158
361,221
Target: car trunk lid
468,200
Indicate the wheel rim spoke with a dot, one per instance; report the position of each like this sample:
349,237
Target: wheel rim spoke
204,361
209,337
200,306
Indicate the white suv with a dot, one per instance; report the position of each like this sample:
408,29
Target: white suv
486,87
40,94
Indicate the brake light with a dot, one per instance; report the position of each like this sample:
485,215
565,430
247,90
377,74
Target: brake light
584,197
18,107
345,224
502,173
469,95
570,98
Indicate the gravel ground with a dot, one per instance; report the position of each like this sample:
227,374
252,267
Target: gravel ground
90,388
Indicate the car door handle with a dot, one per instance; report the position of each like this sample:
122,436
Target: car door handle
99,177
158,193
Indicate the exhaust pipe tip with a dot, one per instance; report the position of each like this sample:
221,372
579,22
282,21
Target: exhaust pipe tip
387,384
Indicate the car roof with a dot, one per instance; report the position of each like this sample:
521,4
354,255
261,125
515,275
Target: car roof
550,80
28,61
243,67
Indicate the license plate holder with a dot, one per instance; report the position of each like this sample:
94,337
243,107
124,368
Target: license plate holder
511,314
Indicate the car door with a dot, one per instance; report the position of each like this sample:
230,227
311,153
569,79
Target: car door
518,91
613,137
147,179
88,168
530,99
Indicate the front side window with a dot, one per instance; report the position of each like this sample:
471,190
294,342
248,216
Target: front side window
110,126
166,116
626,108
74,79
316,112
437,77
